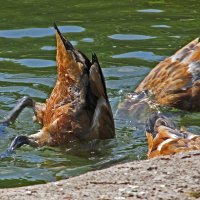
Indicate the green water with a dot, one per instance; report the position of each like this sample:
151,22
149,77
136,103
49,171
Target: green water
130,37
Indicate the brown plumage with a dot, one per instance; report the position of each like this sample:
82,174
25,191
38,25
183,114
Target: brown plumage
176,80
78,107
164,138
173,82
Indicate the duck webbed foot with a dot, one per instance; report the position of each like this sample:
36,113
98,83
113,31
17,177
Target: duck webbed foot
24,102
17,143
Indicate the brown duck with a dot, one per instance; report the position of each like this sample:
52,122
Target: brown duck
174,82
78,107
164,138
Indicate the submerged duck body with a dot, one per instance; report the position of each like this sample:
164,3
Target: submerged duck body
164,138
174,82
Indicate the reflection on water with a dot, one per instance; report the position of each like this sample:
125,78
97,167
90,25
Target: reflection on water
87,40
149,56
161,26
38,32
129,37
31,62
150,11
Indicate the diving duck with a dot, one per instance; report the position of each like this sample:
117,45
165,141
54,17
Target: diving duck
164,138
174,82
78,107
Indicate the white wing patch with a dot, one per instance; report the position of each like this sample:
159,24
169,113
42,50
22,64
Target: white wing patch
194,69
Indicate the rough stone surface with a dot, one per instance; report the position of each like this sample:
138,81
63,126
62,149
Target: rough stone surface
169,177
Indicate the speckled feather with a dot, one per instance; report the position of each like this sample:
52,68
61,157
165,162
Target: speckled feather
176,80
78,107
165,139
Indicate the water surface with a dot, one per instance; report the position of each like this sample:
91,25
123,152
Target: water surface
129,37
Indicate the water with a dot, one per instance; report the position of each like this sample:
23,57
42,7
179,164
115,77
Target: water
129,37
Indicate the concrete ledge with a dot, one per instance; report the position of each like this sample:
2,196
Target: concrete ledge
169,177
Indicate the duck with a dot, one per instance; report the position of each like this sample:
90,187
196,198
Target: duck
174,82
165,138
78,108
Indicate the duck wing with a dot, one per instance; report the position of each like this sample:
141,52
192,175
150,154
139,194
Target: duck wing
103,123
69,92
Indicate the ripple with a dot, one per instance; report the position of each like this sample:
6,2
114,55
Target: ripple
150,11
175,36
161,26
36,63
124,76
38,32
26,173
25,91
144,55
27,78
31,62
125,83
130,37
48,48
74,43
125,71
87,40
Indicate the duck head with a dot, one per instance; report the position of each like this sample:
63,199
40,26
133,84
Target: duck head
157,132
164,138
